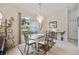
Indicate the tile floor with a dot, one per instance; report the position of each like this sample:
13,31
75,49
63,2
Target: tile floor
60,48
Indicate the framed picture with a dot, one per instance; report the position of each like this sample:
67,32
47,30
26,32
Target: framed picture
53,24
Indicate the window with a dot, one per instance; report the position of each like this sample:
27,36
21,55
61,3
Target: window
34,25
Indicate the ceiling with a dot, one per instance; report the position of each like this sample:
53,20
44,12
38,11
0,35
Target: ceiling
47,9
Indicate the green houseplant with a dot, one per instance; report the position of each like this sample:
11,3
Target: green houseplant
26,30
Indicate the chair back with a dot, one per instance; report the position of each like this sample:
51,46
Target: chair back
47,39
26,38
50,36
63,33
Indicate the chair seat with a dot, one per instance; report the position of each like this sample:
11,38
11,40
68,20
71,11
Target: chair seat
54,41
42,42
31,41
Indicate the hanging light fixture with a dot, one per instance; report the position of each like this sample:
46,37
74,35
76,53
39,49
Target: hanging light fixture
39,15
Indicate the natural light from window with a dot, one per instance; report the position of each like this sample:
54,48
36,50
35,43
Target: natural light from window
0,17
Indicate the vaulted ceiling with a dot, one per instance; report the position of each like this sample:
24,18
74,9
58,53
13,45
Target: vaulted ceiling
47,9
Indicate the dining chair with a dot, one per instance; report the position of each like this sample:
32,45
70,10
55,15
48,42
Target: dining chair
44,45
62,33
53,36
28,42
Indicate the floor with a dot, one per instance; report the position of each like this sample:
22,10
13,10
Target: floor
73,41
60,48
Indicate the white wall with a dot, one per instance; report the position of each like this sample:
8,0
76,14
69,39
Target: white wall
78,27
10,11
61,17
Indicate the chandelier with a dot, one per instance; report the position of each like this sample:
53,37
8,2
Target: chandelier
39,15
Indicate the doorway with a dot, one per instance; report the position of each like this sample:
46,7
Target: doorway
72,26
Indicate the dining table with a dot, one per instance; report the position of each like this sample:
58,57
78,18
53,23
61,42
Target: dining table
37,37
59,34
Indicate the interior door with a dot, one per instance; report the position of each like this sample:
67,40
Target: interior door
72,26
